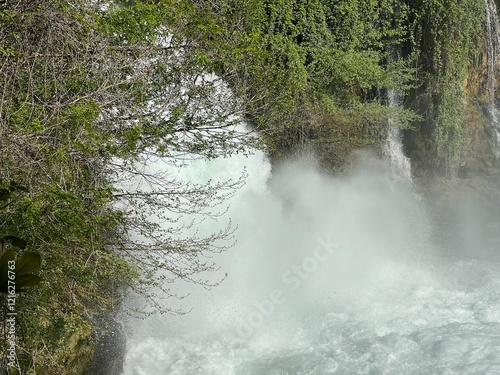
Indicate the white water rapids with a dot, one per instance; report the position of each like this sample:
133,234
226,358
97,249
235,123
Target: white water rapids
329,276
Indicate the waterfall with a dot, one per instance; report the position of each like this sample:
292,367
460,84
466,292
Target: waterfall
329,275
393,148
492,51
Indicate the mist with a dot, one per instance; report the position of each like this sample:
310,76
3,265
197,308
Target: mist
331,270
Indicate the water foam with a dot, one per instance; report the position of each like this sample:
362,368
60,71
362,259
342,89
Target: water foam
329,276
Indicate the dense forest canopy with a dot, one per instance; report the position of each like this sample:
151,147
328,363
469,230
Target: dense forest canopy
93,90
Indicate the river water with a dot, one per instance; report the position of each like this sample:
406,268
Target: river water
329,276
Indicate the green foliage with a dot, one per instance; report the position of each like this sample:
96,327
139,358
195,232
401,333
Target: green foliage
86,95
367,24
449,37
12,271
90,92
283,57
21,273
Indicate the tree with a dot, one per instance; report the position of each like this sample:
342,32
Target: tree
91,92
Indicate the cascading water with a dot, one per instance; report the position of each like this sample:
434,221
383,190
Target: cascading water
329,276
394,146
492,52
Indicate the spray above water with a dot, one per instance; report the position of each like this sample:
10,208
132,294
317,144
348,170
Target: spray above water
328,276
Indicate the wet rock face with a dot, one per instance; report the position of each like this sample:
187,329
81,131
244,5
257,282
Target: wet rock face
467,206
468,218
110,349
